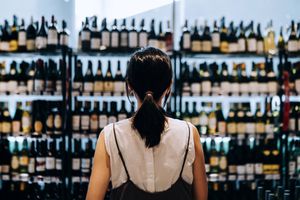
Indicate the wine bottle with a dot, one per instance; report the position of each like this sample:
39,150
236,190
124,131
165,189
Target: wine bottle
253,85
30,77
41,158
31,159
24,158
41,37
224,78
262,79
203,121
59,159
215,79
26,120
260,41
3,79
22,37
77,86
50,161
76,117
231,121
224,46
5,37
52,40
79,41
215,38
76,162
119,86
212,121
98,84
222,160
214,158
132,36
186,38
112,116
271,78
94,127
186,115
235,83
244,81
206,81
50,119
195,119
195,81
13,78
6,121
221,123
269,40
115,36
124,36
185,80
86,161
22,78
196,45
152,37
241,122
292,43
161,38
86,36
95,36
108,81
64,35
15,166
260,123
105,35
242,39
232,39
169,38
85,118
39,77
251,40
232,161
241,161
58,121
142,35
103,116
16,121
31,33
13,43
88,80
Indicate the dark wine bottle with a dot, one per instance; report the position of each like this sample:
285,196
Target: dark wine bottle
64,35
42,35
86,36
52,40
152,37
22,37
31,33
142,35
13,43
95,36
132,36
105,35
124,36
115,36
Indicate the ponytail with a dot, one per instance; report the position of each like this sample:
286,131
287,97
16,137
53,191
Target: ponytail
150,120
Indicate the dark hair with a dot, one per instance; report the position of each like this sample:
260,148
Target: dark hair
149,74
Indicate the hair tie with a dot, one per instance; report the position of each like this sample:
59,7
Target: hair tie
149,93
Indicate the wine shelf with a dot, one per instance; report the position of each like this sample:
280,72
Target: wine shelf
16,98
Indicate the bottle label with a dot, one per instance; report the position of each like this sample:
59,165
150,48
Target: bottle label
292,124
292,45
75,122
77,86
214,161
24,160
39,85
112,119
38,126
15,162
225,87
206,87
22,38
272,87
222,128
50,163
231,127
26,122
260,47
235,88
196,88
206,46
186,41
4,46
153,43
64,40
98,86
299,45
253,86
41,42
232,47
241,45
250,168
215,40
75,164
241,128
195,121
212,123
162,45
114,39
94,122
251,43
16,126
269,128
143,39
30,45
88,86
258,168
232,169
297,85
85,163
95,43
6,127
57,121
49,121
119,86
12,86
103,121
3,86
241,169
105,38
124,39
121,117
263,88
203,120
85,122
75,179
224,47
133,36
207,168
108,86
223,163
260,127
52,37
40,164
292,167
85,36
58,164
244,88
31,165
30,86
196,46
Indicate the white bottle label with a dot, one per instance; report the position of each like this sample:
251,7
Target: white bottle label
50,163
269,128
241,169
103,121
22,38
75,122
153,43
64,40
143,39
263,88
41,42
292,124
222,128
244,88
215,40
122,117
85,122
251,43
95,43
133,39
206,87
292,45
186,41
39,85
85,36
4,46
272,87
297,85
40,164
85,163
260,47
105,38
12,86
235,88
196,88
249,168
250,127
124,39
258,168
112,119
76,164
31,165
58,164
52,37
233,47
253,86
242,45
119,86
114,39
225,87
292,167
94,123
3,86
88,87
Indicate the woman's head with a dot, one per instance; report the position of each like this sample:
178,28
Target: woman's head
149,76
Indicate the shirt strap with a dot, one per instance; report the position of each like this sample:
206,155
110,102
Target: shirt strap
119,152
186,151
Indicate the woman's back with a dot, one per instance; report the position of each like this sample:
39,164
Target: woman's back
151,169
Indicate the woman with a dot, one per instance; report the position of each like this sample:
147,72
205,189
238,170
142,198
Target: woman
149,156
